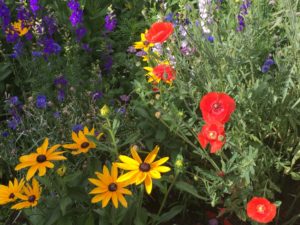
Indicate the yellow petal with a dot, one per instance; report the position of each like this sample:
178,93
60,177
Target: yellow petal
128,160
114,172
28,158
159,162
125,191
75,137
140,178
106,199
42,171
152,155
135,155
71,146
48,164
45,145
21,205
128,176
52,149
24,165
125,166
98,198
155,174
58,157
32,170
122,199
163,169
96,182
98,190
115,199
148,184
150,69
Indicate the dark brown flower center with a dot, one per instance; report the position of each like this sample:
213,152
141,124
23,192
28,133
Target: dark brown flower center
146,43
145,167
31,198
217,107
11,196
112,187
85,145
41,158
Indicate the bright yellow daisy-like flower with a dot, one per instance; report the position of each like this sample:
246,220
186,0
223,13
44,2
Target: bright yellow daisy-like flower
20,27
143,44
8,193
109,188
142,171
41,160
82,143
30,197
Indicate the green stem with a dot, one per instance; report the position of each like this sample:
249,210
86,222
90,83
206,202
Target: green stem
166,196
112,136
194,146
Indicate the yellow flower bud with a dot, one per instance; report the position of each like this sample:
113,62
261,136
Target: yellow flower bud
104,111
179,164
61,170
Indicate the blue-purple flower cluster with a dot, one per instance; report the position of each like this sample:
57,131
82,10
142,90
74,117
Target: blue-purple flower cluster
14,110
267,65
61,84
76,19
241,17
110,22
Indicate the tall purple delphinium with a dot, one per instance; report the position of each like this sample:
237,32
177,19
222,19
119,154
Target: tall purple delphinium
14,110
80,33
61,83
18,48
76,19
50,46
34,5
110,22
241,17
49,25
4,15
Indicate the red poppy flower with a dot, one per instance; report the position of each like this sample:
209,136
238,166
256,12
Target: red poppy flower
217,107
261,210
159,32
213,134
164,72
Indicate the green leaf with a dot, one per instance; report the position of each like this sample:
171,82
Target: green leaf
89,220
171,214
141,216
54,216
64,203
183,186
78,194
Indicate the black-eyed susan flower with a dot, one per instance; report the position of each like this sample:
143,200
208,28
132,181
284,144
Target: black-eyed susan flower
8,193
142,171
108,188
82,143
41,160
30,196
143,44
160,72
